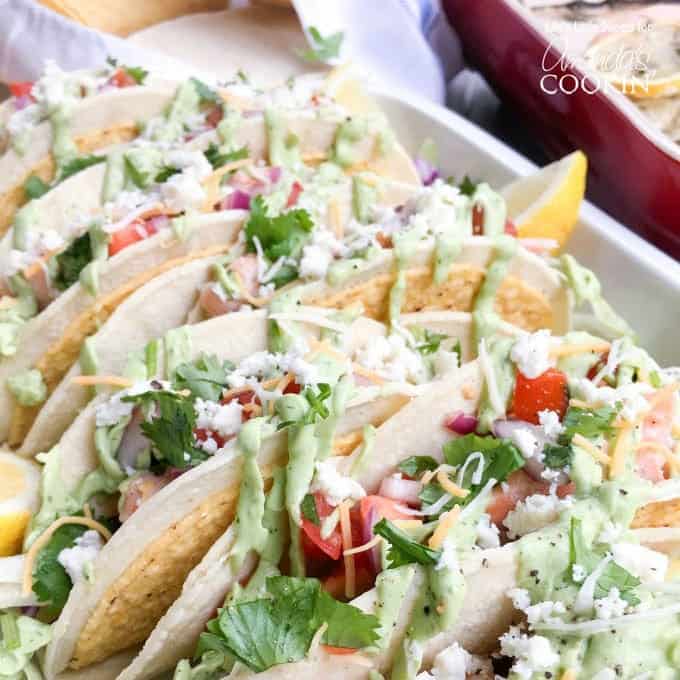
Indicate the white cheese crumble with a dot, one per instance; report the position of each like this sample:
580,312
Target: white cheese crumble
195,161
76,559
115,409
609,674
183,192
334,486
547,611
391,358
550,422
610,607
452,663
487,533
648,565
263,365
610,532
526,442
449,557
532,653
533,513
318,254
531,353
631,396
578,573
223,419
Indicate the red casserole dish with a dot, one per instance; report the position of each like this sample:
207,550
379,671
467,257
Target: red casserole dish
634,169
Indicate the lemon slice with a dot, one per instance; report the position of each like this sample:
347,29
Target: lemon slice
19,498
643,64
344,85
546,204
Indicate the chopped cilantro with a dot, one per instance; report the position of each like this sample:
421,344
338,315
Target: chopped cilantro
171,430
72,261
428,342
51,583
205,92
279,628
317,408
556,457
501,458
467,187
590,423
613,576
414,466
206,377
655,379
34,187
281,236
308,508
77,164
284,275
217,158
324,49
165,173
137,73
404,549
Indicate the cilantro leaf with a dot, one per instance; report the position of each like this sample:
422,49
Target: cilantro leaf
77,164
279,628
404,549
72,261
34,187
317,408
467,187
171,429
217,158
428,342
308,507
556,457
613,576
205,92
206,377
284,235
414,466
590,423
165,173
137,73
284,275
501,458
324,48
51,583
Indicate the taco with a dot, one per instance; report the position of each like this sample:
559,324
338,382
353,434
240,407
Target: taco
569,565
131,242
111,449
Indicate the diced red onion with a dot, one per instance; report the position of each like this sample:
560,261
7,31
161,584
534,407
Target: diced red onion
404,490
133,442
31,611
367,535
274,174
461,423
236,200
427,172
158,222
22,102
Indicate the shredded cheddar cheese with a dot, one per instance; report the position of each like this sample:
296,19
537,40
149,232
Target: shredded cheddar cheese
335,218
445,523
569,674
582,348
363,548
618,458
588,446
449,486
93,380
366,373
254,301
44,539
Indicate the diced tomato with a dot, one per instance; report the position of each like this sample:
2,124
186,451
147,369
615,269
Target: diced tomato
214,305
385,240
134,232
518,486
510,228
137,491
246,267
334,583
311,534
37,278
594,370
214,116
338,650
121,78
292,388
202,435
477,220
547,392
22,89
295,192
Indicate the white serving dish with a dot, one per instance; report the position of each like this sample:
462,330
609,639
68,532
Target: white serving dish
640,281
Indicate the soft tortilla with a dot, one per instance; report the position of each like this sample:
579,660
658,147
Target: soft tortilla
134,585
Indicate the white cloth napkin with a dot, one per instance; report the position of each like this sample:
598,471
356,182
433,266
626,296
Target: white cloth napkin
400,43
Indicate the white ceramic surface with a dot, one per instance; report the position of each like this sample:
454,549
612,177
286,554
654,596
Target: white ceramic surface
640,281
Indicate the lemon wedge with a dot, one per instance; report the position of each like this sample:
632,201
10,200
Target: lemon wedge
643,64
343,84
546,204
19,498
